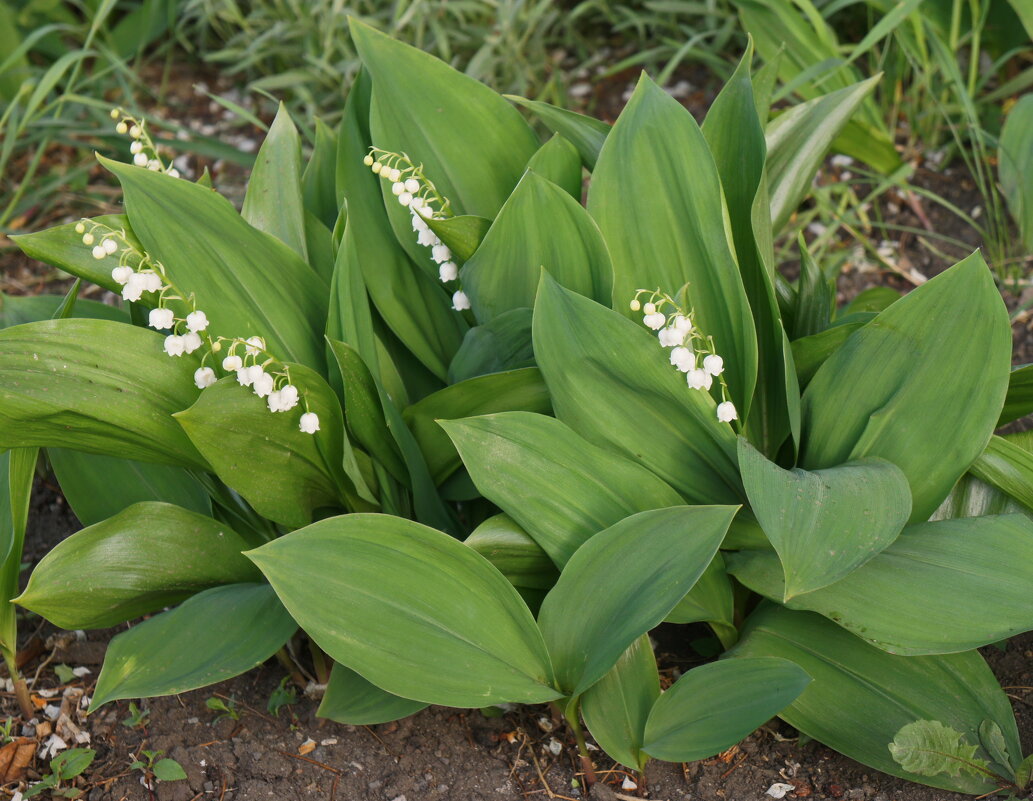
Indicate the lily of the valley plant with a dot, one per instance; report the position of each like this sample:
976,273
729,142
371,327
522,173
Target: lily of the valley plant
477,439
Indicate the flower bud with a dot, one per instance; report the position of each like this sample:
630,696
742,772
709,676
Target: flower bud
649,308
87,239
136,147
99,252
397,188
635,304
121,128
80,228
140,159
412,186
405,198
368,160
377,167
109,245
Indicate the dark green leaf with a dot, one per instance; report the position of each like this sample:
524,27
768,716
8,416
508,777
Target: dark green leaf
587,134
353,700
558,161
503,343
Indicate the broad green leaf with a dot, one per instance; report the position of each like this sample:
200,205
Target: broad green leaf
317,181
612,382
712,707
617,706
860,697
213,636
168,770
656,195
798,140
503,343
237,273
145,558
515,390
412,302
558,487
284,473
364,412
815,296
928,748
361,584
882,394
17,474
736,139
905,600
62,247
472,144
1025,15
96,386
352,700
874,299
539,227
1019,400
558,161
709,601
514,553
973,498
587,134
1008,468
18,309
647,562
1015,162
811,352
273,202
97,487
827,523
462,234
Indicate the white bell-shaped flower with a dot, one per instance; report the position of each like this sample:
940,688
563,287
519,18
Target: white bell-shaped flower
161,319
232,363
460,301
405,198
174,345
121,274
412,186
274,403
263,384
714,364
309,423
397,188
655,320
140,159
134,287
683,358
726,412
288,397
99,252
192,341
441,253
448,271
671,336
197,320
204,377
683,324
418,223
254,345
244,376
109,245
428,238
699,379
151,282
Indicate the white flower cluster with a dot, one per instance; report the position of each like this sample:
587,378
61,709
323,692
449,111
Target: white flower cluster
145,152
691,352
418,194
138,273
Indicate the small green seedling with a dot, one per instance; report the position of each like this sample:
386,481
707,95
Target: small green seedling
64,673
282,696
164,770
63,768
227,708
137,717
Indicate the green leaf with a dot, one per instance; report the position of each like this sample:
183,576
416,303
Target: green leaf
360,584
611,381
150,556
815,297
411,301
539,227
282,472
1008,468
558,161
503,343
928,748
97,487
827,523
514,553
587,134
647,564
273,202
736,139
515,390
798,140
1019,400
236,272
168,770
874,299
712,707
473,144
352,700
617,706
988,561
213,636
860,697
811,352
18,309
1015,162
317,181
656,195
72,762
709,601
992,739
882,393
462,234
96,386
17,473
523,463
62,247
